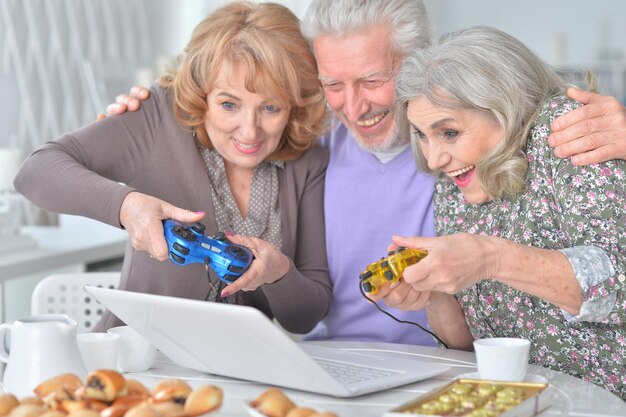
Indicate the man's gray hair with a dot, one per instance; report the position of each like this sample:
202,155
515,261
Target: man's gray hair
490,72
407,19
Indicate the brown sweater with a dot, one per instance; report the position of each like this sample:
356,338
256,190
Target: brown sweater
81,173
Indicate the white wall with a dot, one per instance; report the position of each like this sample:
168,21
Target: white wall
572,32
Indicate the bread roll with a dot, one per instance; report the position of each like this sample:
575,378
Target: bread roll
301,412
69,406
105,385
7,403
53,413
169,409
142,410
67,382
27,410
273,403
203,400
136,388
84,413
171,390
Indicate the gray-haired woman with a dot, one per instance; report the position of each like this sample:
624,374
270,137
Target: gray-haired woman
531,245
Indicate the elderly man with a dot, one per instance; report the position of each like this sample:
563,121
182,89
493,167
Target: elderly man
373,189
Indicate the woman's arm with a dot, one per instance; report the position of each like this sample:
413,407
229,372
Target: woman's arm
459,261
447,320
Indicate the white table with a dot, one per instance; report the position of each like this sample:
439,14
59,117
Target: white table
78,241
573,397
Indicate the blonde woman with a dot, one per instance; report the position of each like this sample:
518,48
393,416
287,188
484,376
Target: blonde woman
230,138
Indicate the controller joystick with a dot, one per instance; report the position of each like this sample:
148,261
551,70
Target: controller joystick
389,269
188,244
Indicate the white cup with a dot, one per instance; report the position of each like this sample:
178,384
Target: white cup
136,354
98,350
502,358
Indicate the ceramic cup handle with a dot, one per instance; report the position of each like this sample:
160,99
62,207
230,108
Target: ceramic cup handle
4,353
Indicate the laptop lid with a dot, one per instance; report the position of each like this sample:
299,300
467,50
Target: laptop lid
241,342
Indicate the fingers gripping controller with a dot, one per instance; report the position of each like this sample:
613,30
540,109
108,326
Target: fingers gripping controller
389,269
188,244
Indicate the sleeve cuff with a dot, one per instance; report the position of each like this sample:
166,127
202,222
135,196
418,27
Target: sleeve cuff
592,267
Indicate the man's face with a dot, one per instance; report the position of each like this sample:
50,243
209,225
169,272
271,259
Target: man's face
357,72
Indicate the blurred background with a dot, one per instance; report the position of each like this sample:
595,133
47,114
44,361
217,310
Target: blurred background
63,61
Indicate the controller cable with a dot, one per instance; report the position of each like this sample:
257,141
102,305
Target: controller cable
388,314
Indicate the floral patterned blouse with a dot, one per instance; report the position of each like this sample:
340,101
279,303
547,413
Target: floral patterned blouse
579,210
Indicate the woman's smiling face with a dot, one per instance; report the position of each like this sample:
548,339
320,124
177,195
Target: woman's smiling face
244,127
453,141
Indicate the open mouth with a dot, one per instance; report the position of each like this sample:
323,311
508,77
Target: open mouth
462,176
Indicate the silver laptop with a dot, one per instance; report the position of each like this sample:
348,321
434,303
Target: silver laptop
241,342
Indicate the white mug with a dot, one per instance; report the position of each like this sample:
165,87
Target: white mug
502,358
136,353
41,347
98,350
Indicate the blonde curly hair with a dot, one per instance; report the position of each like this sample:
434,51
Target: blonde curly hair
265,39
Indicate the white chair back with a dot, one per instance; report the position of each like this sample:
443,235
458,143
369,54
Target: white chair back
65,294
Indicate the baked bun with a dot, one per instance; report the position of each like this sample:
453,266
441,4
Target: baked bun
171,390
7,403
65,382
301,412
53,413
117,410
169,409
137,389
86,412
203,400
273,403
27,410
105,385
142,410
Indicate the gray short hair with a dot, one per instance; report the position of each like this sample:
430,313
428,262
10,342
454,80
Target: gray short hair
488,71
407,19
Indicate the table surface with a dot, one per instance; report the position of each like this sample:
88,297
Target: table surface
572,397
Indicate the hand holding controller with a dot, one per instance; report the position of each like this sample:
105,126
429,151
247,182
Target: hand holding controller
188,244
389,269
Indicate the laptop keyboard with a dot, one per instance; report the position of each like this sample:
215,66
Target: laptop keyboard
349,373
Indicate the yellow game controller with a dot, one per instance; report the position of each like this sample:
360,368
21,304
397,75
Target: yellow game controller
389,269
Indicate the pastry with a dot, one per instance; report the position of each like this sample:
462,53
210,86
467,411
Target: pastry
136,388
301,412
142,410
169,409
273,403
84,413
67,382
7,403
53,413
105,385
27,410
69,406
203,400
128,400
171,390
31,400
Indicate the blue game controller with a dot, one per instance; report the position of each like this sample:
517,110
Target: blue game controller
188,244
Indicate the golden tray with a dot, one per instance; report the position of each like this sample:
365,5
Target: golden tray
485,398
